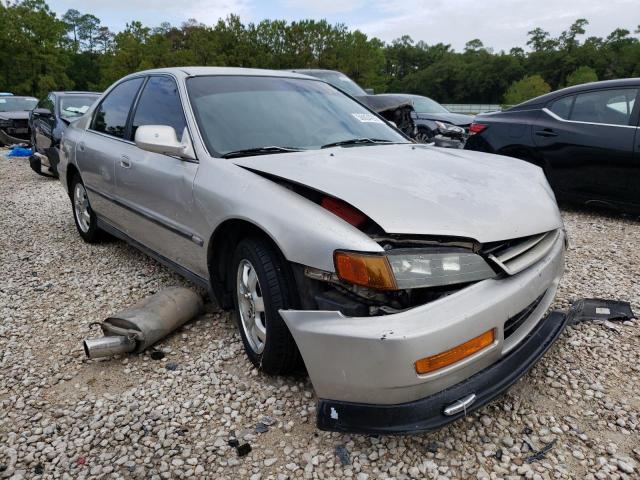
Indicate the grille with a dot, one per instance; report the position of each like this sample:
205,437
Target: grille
515,255
515,322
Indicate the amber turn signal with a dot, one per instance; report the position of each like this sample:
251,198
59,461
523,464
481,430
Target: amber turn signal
371,271
464,350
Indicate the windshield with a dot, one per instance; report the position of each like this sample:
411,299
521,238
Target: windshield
239,113
16,104
339,80
426,105
75,105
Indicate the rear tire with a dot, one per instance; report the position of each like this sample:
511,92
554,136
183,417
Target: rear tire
261,286
83,215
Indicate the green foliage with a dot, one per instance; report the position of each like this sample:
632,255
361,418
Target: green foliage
581,75
525,89
40,51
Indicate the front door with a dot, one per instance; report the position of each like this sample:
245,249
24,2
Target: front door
587,143
156,190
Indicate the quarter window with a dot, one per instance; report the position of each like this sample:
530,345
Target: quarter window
605,106
160,104
562,107
111,116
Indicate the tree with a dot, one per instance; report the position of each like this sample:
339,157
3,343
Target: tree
525,89
582,75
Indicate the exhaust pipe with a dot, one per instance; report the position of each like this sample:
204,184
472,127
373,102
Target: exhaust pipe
148,321
108,346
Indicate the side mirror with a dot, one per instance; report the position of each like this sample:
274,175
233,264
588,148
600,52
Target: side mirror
369,91
43,112
162,139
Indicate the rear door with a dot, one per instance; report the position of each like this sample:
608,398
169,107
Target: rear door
587,142
156,190
102,144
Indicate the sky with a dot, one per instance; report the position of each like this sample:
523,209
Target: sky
500,24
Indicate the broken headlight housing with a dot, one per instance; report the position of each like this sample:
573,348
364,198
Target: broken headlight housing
403,269
447,128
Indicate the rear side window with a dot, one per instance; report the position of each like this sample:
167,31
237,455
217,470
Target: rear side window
562,107
605,106
111,115
160,104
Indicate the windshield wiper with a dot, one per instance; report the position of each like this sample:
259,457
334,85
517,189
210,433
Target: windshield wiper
247,152
356,141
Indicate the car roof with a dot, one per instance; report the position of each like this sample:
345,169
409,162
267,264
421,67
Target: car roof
75,92
21,96
543,99
207,71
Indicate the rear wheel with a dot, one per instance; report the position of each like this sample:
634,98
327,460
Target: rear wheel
84,216
262,287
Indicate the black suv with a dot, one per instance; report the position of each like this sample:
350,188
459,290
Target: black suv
584,137
49,120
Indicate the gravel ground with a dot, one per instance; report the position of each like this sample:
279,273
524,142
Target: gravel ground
62,416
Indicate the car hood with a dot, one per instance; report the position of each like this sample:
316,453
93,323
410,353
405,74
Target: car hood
453,118
15,115
423,190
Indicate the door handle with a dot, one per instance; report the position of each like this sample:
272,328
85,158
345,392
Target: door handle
547,132
125,162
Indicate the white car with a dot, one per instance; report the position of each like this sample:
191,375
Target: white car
413,282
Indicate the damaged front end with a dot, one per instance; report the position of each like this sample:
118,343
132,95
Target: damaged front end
414,337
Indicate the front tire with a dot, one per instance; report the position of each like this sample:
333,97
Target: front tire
261,287
84,217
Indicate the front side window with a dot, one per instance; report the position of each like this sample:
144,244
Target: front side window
240,112
605,106
111,116
72,106
160,104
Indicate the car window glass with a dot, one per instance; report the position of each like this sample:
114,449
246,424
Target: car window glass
605,106
111,115
75,105
160,104
237,113
562,107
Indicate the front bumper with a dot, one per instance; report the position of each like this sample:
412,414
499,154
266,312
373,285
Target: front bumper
427,414
370,360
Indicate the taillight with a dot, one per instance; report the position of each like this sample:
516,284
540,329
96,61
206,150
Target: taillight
344,211
477,128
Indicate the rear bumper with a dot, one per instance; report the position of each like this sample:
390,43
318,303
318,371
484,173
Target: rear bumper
427,414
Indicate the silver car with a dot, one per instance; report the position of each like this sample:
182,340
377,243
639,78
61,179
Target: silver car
412,282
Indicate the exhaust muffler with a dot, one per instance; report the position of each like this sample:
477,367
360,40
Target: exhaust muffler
148,321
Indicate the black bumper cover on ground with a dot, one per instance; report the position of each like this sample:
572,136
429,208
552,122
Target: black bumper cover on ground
426,414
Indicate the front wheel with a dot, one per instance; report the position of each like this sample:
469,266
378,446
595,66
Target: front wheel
262,288
84,216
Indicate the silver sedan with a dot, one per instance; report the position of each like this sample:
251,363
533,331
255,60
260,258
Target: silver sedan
412,282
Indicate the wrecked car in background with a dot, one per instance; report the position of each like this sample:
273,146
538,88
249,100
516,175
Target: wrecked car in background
434,123
47,123
412,282
420,118
393,110
14,118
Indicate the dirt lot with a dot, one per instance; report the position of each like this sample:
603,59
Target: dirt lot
62,416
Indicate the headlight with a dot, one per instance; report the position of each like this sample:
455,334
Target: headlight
5,123
411,268
448,128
